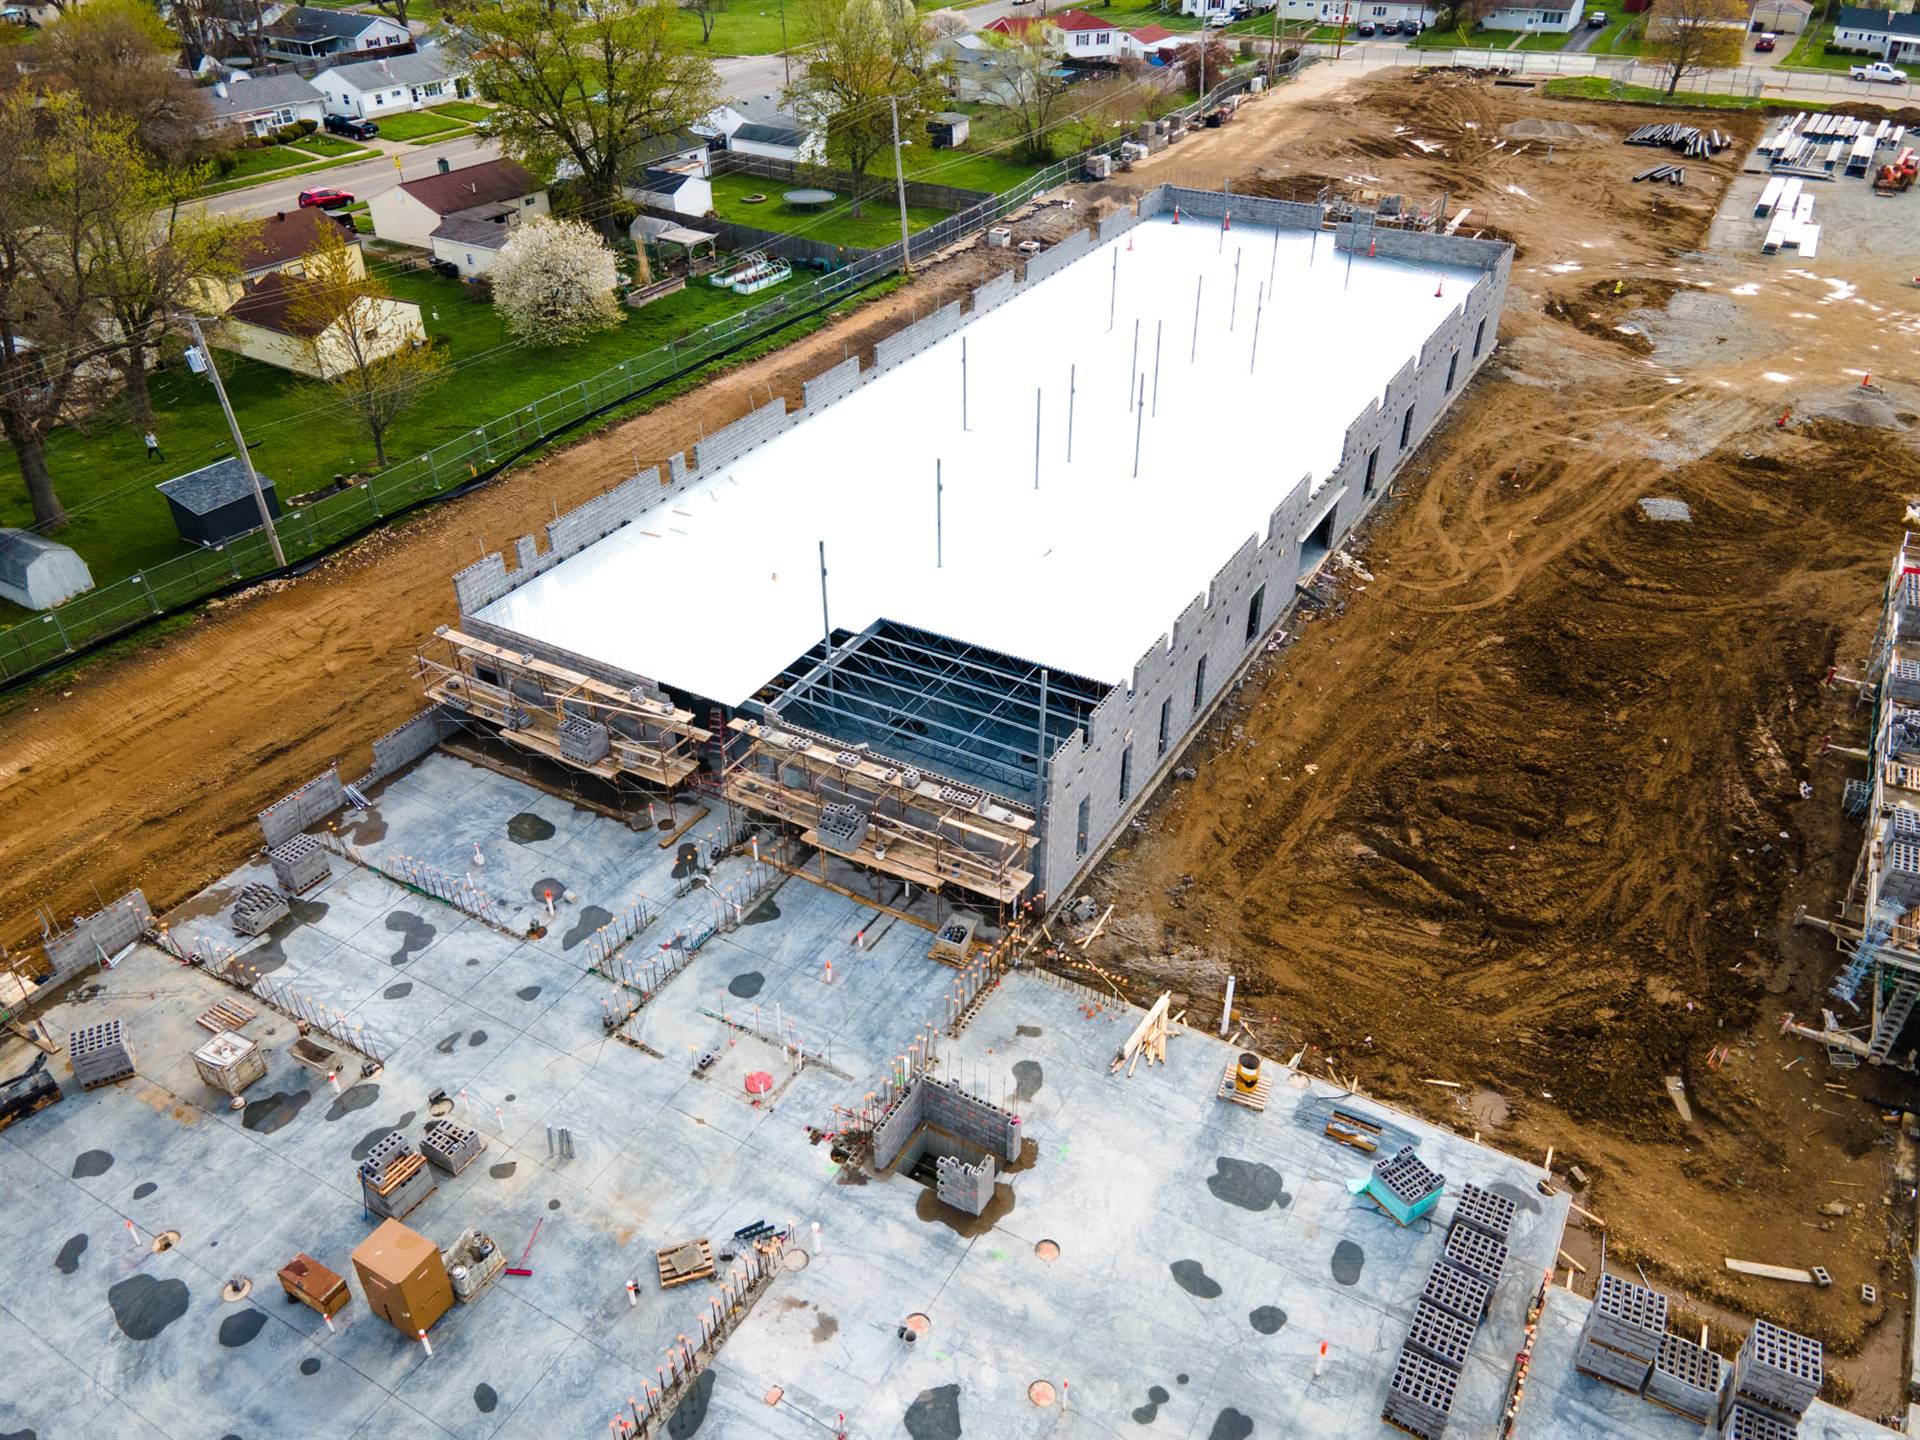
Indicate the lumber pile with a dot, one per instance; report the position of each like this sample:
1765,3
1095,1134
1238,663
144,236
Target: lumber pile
1149,1037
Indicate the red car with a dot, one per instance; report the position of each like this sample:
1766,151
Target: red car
325,198
1765,42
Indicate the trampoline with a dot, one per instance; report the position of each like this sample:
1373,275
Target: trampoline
809,199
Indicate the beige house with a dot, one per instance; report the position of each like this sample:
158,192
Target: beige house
260,327
280,248
494,192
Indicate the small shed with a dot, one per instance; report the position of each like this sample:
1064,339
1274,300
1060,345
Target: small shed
215,504
948,130
39,573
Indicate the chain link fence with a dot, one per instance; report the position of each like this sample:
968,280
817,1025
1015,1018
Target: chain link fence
311,529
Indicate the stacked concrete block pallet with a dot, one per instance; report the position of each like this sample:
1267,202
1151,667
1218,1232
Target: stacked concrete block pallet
100,1054
1476,1253
1745,1424
1687,1379
1482,1210
449,1147
1775,1376
1441,1337
1621,1338
585,742
258,910
1420,1396
299,864
1404,1186
393,1179
842,827
1457,1292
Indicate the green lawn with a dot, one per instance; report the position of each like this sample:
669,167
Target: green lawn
1437,39
221,187
464,110
1545,40
416,125
743,27
1623,36
1598,87
330,146
298,435
248,163
1810,53
878,224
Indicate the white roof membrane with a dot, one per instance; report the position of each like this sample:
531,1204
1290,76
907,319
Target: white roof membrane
718,588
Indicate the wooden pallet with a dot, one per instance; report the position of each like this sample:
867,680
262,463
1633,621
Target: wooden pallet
227,1015
673,1267
1258,1099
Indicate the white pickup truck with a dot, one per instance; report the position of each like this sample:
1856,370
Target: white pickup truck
1881,72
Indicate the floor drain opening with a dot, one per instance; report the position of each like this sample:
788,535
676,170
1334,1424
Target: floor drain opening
919,1324
1041,1392
1047,1250
238,1288
796,1259
165,1241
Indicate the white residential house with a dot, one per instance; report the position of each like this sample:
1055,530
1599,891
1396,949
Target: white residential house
368,89
760,125
261,327
1357,12
973,65
682,189
1535,19
1888,34
309,33
1077,35
1207,9
259,105
1152,43
495,192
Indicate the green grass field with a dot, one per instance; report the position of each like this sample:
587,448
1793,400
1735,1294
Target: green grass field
464,110
1623,36
1546,40
298,434
417,125
877,225
329,145
265,160
1597,87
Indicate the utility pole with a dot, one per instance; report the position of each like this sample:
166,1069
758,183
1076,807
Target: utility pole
900,185
239,441
786,56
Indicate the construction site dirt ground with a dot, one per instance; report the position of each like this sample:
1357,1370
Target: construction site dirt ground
1519,808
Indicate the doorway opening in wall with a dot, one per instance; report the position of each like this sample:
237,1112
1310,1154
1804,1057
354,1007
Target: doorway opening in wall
1126,774
1373,469
1080,838
1166,726
1254,608
1313,550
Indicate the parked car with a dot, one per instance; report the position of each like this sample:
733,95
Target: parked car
1879,73
1597,20
1766,43
1219,22
1410,29
351,128
325,198
1364,29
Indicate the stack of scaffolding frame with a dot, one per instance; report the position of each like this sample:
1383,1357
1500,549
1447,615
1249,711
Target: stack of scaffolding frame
920,829
527,699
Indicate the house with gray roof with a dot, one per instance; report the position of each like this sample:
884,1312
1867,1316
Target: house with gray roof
39,573
260,105
215,503
1888,34
393,84
310,33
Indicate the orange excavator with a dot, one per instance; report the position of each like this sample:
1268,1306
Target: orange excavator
1898,176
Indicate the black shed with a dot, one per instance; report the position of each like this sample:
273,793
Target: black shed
215,504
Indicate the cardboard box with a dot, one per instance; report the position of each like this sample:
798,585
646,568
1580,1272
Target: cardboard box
403,1277
305,1279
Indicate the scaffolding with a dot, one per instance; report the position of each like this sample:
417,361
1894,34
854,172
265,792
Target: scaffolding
882,815
560,713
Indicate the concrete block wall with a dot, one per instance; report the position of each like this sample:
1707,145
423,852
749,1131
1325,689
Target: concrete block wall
109,930
971,1120
1060,256
304,808
915,338
404,744
893,1132
1252,209
995,292
963,1186
1117,223
730,442
831,385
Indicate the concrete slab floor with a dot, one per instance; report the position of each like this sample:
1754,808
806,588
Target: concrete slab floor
1200,1253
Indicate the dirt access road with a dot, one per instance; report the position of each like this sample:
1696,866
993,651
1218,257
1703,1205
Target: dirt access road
1520,810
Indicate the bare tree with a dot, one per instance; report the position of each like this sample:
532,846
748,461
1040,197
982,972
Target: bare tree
1030,91
942,24
359,338
60,171
588,94
707,11
1689,37
867,56
117,56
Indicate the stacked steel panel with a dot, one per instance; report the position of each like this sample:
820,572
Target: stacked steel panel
1625,1327
1420,1395
401,1199
100,1054
1477,1253
1687,1379
1777,1373
450,1147
258,910
300,863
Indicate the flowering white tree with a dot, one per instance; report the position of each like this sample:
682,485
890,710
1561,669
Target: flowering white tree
554,282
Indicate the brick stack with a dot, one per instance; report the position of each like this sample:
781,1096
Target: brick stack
449,1147
299,864
1457,1292
100,1054
1687,1379
393,1179
1476,1253
1775,1377
1625,1327
585,742
258,910
1482,1210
